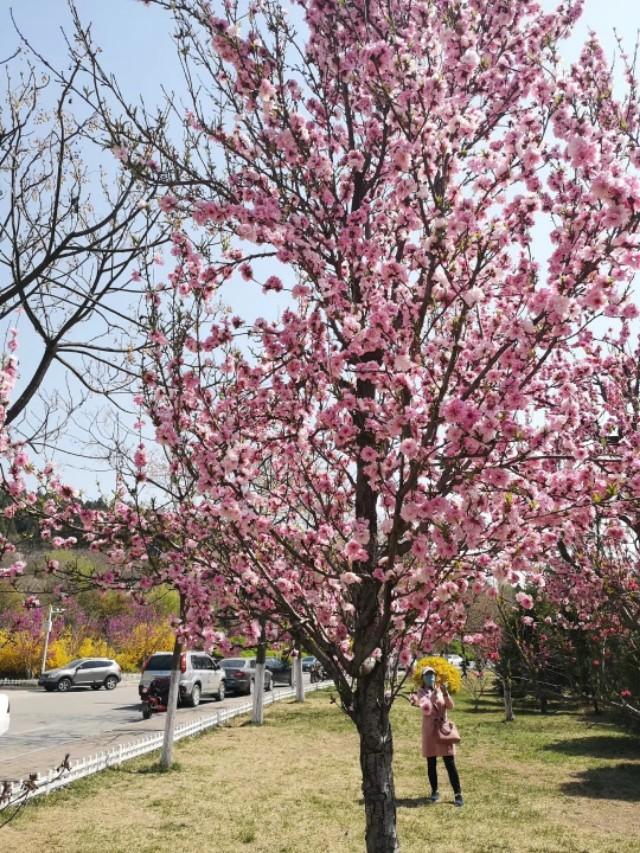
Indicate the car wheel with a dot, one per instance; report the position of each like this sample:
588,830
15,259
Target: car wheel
64,684
110,682
268,685
96,686
220,693
146,711
194,699
247,692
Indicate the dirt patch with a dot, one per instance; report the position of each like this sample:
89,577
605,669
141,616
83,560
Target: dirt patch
600,816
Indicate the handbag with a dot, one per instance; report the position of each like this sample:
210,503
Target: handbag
445,731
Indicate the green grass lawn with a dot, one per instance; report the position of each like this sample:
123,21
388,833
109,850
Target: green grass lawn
562,783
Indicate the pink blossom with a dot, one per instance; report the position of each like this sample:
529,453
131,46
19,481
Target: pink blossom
354,551
582,152
594,299
140,457
525,601
409,448
402,362
470,58
167,203
273,283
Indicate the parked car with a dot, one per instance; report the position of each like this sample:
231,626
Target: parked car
281,672
308,663
200,675
456,660
240,675
5,713
83,672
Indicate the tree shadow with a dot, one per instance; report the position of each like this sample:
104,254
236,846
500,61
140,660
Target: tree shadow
411,802
489,704
522,706
147,770
598,746
486,709
621,782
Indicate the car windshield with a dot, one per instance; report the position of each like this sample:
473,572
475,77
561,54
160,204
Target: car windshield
231,662
308,660
159,662
73,663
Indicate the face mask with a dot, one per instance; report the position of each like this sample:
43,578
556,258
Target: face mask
429,680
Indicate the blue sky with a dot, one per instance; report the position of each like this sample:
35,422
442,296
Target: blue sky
137,47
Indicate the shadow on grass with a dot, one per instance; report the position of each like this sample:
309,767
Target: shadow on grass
149,769
598,746
485,709
621,782
411,802
524,707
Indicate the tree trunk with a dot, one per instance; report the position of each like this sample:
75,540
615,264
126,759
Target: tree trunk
257,715
47,632
509,716
166,759
376,757
297,677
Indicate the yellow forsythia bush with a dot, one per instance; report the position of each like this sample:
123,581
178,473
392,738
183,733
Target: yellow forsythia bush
445,671
145,639
20,654
67,648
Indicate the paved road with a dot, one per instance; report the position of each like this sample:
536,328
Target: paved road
45,726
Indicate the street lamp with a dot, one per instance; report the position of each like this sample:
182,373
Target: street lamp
53,611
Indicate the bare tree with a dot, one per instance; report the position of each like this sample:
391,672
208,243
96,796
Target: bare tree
75,228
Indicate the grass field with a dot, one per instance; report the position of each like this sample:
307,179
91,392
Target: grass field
561,783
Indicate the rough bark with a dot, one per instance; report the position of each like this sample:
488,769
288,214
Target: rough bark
371,715
509,716
257,715
166,759
297,677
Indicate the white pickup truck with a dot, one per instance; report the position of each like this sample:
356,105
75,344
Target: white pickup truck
4,713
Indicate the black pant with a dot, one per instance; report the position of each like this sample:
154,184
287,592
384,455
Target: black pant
450,764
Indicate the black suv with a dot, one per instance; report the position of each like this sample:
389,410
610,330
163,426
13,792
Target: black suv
281,672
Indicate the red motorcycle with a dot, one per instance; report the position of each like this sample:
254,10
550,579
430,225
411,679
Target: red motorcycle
155,697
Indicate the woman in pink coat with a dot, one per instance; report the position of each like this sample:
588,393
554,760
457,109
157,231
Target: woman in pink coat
435,702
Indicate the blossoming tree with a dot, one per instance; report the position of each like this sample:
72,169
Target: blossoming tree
384,447
593,576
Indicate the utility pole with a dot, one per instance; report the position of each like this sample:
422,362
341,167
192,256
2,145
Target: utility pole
53,611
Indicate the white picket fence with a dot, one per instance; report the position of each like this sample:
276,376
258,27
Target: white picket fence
125,752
